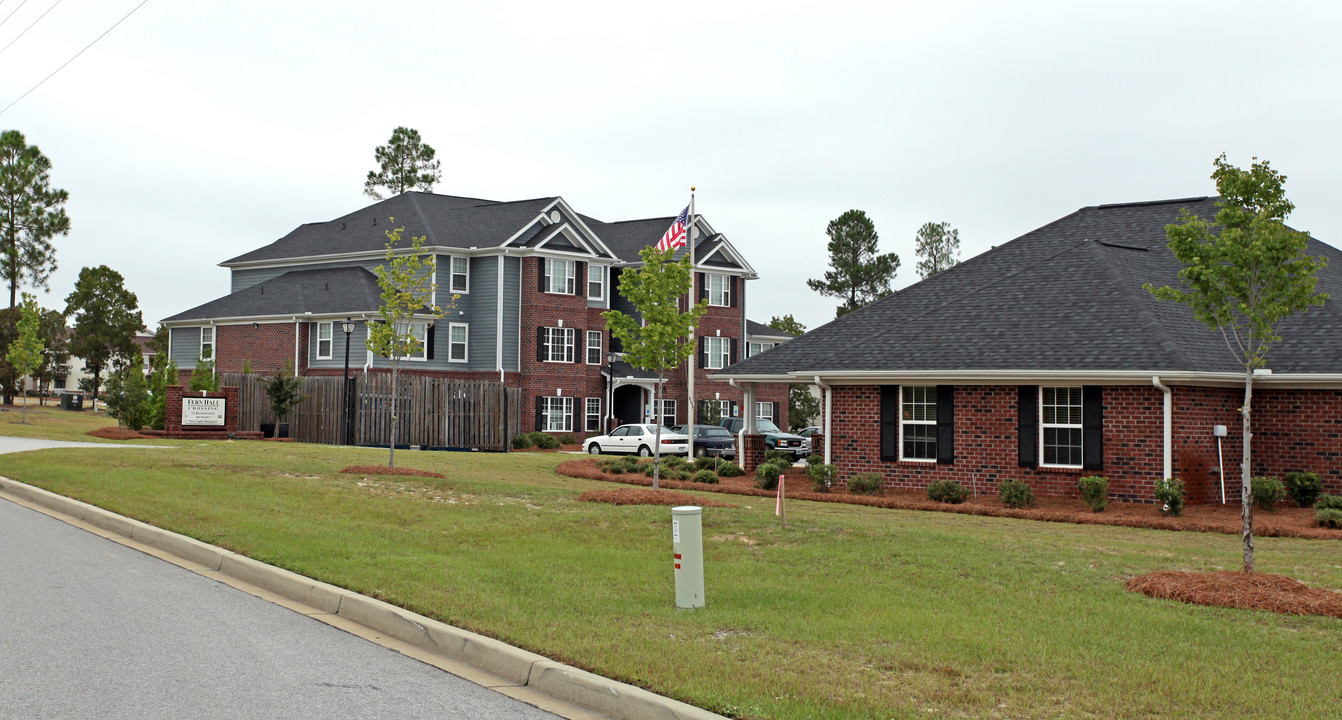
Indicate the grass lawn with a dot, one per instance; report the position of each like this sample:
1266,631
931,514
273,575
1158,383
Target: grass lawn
851,612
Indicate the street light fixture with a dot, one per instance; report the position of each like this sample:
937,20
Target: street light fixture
346,439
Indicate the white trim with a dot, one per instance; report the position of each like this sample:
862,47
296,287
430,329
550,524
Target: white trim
586,414
452,274
1079,427
1037,377
601,269
725,291
465,342
330,340
570,276
899,438
566,401
572,344
587,347
214,338
710,355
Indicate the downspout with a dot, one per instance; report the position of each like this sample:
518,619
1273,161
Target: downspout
1168,439
829,410
498,311
296,338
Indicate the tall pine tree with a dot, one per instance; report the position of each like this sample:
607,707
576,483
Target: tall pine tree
858,274
31,213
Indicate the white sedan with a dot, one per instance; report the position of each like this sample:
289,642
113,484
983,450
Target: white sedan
638,438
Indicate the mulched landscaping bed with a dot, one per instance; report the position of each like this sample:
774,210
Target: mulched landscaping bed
647,497
1276,593
384,470
1286,521
116,433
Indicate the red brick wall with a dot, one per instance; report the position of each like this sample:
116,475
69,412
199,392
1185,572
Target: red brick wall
1294,430
543,379
268,346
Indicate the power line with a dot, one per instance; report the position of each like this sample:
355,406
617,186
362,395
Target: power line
81,52
30,27
7,17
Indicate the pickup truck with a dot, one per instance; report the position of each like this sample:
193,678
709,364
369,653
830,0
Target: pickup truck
774,438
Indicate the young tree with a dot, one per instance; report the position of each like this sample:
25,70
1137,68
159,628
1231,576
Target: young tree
162,373
203,377
406,164
938,248
802,406
106,316
31,212
664,338
284,390
25,353
857,274
57,355
408,291
1243,275
128,398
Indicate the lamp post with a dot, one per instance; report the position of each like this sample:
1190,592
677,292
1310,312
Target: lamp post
348,328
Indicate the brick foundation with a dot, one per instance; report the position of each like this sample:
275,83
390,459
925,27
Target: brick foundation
173,427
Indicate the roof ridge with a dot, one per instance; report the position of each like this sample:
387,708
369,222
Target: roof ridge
428,226
1172,201
1146,317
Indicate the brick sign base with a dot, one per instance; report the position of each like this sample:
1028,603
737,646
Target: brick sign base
173,427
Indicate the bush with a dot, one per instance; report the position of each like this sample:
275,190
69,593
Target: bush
947,491
1328,502
766,475
568,439
815,459
1170,494
706,463
1016,494
674,461
1303,487
867,483
619,466
730,469
1328,517
522,441
706,476
822,476
544,441
780,455
1095,491
675,474
1266,491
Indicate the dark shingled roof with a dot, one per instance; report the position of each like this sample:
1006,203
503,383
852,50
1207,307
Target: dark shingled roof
1067,296
754,329
321,292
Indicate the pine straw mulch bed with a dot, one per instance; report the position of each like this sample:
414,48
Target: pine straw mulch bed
1256,591
648,497
112,432
1286,521
384,470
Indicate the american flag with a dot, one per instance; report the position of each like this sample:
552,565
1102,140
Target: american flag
675,235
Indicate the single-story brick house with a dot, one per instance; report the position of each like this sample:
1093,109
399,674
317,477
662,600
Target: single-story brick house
1044,360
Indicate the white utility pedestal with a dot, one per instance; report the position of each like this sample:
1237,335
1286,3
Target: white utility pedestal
687,541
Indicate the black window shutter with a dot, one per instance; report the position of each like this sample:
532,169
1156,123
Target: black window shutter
540,412
945,424
703,352
774,414
580,278
541,345
731,352
733,292
1027,425
889,422
1092,427
703,286
428,343
540,273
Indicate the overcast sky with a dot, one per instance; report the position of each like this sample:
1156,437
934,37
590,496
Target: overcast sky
196,131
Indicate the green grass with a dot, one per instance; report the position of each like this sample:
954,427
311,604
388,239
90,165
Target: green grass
851,612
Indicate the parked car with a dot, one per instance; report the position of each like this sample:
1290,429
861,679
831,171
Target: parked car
774,438
638,438
711,441
807,432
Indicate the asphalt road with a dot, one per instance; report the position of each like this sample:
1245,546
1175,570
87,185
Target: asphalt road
93,629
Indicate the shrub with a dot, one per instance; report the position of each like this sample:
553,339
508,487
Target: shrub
1095,491
674,461
675,474
522,441
1303,487
822,476
544,441
1016,494
706,476
947,491
780,455
706,463
1328,502
730,469
568,439
1170,493
867,483
766,475
1266,491
618,466
1328,517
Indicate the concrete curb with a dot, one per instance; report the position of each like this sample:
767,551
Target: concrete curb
525,669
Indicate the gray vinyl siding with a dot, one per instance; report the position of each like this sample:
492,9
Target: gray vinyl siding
357,349
185,347
480,312
512,312
244,278
604,302
621,303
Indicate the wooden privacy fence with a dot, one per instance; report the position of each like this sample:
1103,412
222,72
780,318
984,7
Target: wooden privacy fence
434,412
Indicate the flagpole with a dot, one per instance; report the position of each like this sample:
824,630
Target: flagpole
691,407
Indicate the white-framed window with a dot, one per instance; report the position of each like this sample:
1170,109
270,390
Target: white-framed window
460,268
717,352
456,342
764,410
755,348
593,347
559,276
719,289
559,343
420,332
918,422
596,282
724,408
324,340
557,414
207,342
1060,426
592,414
666,414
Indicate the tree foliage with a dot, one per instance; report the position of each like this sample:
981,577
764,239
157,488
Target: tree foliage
1243,275
284,390
128,396
57,355
162,373
408,292
406,163
938,248
857,273
31,213
664,339
802,406
25,353
106,318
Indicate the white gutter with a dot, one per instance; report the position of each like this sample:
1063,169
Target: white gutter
829,412
498,331
1168,441
296,345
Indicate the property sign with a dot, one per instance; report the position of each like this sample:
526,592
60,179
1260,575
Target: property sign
203,411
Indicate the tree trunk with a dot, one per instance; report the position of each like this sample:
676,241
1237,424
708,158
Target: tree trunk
1246,495
391,458
657,434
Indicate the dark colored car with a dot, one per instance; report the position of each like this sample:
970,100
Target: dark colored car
711,441
774,438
